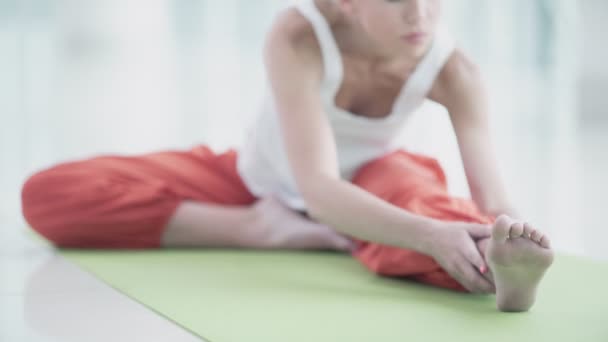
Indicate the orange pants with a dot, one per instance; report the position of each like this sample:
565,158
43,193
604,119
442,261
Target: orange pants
126,201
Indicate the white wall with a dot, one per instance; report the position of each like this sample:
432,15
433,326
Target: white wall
594,62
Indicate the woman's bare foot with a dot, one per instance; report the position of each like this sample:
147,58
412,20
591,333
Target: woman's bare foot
284,228
518,256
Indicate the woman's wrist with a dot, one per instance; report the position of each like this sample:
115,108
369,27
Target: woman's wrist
426,232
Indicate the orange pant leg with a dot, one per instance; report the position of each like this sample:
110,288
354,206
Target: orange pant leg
417,184
126,201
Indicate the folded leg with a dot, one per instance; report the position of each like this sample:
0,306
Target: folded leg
126,201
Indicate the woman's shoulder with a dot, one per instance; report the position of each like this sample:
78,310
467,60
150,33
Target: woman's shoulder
292,24
291,36
292,29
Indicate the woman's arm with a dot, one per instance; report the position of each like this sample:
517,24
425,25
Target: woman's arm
295,71
461,90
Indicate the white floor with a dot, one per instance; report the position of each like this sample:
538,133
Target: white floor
44,297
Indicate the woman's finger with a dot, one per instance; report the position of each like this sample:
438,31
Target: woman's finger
475,282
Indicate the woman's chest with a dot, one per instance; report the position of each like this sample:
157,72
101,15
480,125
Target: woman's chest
367,92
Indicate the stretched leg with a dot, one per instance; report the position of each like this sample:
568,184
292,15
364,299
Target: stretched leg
171,199
417,184
518,255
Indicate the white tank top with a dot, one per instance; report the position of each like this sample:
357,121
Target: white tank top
262,160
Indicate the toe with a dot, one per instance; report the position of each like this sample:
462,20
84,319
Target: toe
536,236
545,242
500,230
517,229
527,230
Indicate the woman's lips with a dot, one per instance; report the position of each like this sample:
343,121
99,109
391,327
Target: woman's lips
414,38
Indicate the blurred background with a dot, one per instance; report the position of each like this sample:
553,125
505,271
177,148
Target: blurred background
80,78
85,77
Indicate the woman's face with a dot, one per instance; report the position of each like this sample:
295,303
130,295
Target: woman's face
396,24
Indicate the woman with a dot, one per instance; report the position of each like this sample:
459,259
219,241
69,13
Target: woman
320,168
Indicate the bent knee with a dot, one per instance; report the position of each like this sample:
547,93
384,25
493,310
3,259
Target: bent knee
51,198
35,203
82,205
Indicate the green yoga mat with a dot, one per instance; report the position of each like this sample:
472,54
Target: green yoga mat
229,296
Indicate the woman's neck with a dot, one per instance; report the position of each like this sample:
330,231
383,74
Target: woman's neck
353,41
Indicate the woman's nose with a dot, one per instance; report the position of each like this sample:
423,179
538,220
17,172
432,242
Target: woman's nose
415,11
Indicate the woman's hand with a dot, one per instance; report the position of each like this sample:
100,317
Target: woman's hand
454,247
